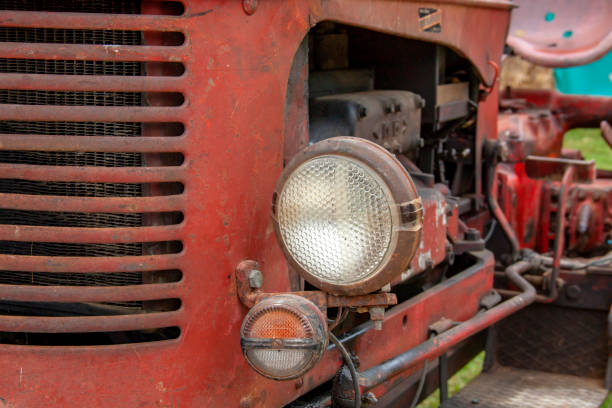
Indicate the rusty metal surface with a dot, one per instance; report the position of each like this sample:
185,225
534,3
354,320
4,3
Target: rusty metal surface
228,78
85,324
440,343
556,340
505,387
528,188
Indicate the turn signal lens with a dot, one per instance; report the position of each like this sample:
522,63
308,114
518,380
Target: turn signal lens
283,336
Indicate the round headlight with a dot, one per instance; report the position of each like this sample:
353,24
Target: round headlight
283,336
347,215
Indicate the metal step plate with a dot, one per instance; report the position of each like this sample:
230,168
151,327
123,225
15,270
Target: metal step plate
506,387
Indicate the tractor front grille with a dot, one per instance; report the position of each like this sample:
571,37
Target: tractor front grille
90,208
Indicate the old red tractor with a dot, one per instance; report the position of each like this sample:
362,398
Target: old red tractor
298,203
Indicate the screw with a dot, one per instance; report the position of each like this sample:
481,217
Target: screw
363,111
299,383
245,402
472,234
255,279
249,6
573,291
377,314
370,398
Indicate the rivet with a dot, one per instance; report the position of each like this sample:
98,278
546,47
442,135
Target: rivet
249,6
245,402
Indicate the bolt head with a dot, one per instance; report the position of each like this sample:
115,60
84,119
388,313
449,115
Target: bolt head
249,6
573,292
472,234
255,279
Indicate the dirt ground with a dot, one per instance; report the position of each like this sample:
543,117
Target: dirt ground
518,73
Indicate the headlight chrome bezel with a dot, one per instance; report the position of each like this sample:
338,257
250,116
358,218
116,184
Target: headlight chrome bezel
405,205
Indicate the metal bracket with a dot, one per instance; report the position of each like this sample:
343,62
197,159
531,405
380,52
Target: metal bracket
249,280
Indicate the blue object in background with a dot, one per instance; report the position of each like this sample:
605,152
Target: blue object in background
591,79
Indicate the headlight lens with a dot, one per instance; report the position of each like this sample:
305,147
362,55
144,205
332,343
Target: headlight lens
335,218
347,215
283,336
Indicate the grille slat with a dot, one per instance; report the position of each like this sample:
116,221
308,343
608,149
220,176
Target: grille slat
94,181
67,264
88,324
13,112
94,52
77,145
134,234
74,6
92,204
74,126
139,292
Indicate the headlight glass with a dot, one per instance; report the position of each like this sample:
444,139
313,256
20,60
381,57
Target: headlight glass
335,217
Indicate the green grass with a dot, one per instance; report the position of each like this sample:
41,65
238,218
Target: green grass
457,381
592,146
608,402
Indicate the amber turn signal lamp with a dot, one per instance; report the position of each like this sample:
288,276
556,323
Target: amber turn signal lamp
283,336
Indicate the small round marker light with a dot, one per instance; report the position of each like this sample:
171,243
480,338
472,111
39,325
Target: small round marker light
283,336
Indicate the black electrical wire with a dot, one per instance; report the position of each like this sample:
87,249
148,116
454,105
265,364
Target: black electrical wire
491,229
419,390
415,399
351,367
342,314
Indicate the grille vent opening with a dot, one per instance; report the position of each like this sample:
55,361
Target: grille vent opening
69,67
51,309
46,251
85,220
88,279
88,250
78,189
73,98
90,339
173,8
66,36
